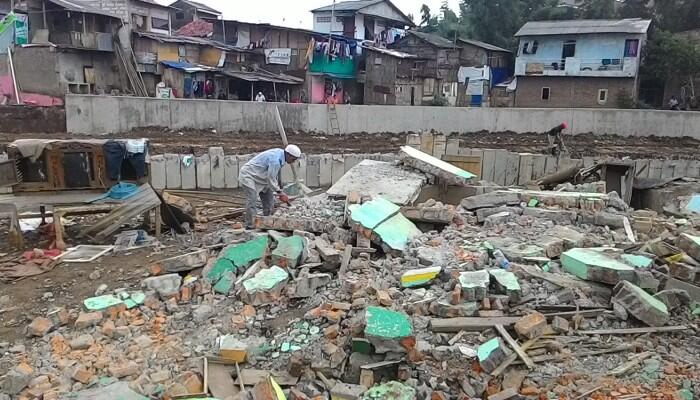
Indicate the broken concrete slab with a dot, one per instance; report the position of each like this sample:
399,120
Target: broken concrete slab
396,232
329,254
690,244
600,264
265,287
306,284
434,214
288,252
347,391
492,353
391,390
184,262
446,172
419,277
641,304
673,298
165,285
380,179
571,237
442,308
500,218
564,217
387,224
507,283
235,257
475,284
373,212
388,331
490,200
692,290
483,213
289,224
552,246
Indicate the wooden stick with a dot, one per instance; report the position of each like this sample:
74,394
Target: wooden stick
632,331
519,351
624,368
511,358
240,378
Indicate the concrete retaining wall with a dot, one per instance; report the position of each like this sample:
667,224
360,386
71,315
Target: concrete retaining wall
105,114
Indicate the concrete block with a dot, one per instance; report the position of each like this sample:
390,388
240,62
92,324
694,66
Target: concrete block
491,200
188,172
492,353
313,171
560,325
439,146
552,246
306,284
443,309
564,217
531,325
571,238
158,174
337,168
507,283
265,287
522,252
413,140
165,285
498,219
218,167
673,298
690,244
203,164
380,179
388,331
173,179
451,147
289,224
347,391
236,256
419,277
325,177
475,284
597,264
288,252
87,320
329,254
641,304
483,213
447,173
230,172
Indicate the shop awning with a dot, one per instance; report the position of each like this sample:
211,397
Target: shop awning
263,76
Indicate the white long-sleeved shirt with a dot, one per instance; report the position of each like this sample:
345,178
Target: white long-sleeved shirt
262,171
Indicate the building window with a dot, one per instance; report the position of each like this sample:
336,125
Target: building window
322,20
545,93
569,49
530,47
139,21
159,23
377,61
631,47
179,15
602,96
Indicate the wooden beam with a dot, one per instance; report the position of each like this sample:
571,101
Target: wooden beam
519,351
469,324
634,331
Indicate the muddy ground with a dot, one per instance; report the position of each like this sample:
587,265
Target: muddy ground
163,140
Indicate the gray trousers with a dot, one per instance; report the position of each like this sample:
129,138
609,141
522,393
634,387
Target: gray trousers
267,198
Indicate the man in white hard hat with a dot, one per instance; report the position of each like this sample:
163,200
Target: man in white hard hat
259,177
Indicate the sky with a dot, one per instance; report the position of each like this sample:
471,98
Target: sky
296,13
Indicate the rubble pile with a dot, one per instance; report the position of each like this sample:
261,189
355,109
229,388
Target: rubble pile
513,294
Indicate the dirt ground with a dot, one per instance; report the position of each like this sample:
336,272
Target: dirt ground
197,141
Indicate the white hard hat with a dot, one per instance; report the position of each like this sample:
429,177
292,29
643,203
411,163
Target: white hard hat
293,151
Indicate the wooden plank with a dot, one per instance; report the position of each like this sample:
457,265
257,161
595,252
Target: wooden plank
216,158
221,384
499,171
634,331
512,169
514,345
488,165
470,324
525,168
539,162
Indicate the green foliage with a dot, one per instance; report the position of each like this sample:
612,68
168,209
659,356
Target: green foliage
598,9
625,100
667,56
439,101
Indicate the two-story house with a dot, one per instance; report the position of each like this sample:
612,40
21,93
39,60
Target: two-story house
185,11
438,61
375,20
579,63
141,15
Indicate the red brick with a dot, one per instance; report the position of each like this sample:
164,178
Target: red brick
384,298
82,375
456,295
123,370
248,311
331,332
531,325
108,328
86,320
40,327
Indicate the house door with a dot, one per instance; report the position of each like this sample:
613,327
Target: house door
413,95
349,27
568,50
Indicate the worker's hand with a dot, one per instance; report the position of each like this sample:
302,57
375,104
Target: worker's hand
283,197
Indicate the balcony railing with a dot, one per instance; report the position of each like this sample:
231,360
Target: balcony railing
572,66
91,40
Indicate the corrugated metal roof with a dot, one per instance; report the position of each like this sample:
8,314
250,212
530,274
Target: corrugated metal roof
389,52
357,5
188,67
78,6
263,76
199,6
163,38
435,40
484,45
584,26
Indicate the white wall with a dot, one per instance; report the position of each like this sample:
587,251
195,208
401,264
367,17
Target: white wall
109,114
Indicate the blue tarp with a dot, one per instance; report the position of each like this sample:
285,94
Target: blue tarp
188,67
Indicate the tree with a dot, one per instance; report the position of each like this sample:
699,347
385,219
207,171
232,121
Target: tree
491,21
668,57
677,15
597,9
428,22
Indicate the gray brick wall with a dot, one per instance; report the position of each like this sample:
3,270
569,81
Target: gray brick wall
571,91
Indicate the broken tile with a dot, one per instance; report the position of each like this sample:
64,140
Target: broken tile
475,284
419,277
265,287
288,252
387,330
597,264
392,390
492,353
507,283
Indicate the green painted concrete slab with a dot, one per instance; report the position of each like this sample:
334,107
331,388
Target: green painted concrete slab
485,349
245,253
505,278
391,390
397,231
130,300
638,261
220,267
385,323
288,251
597,264
372,213
266,279
225,284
